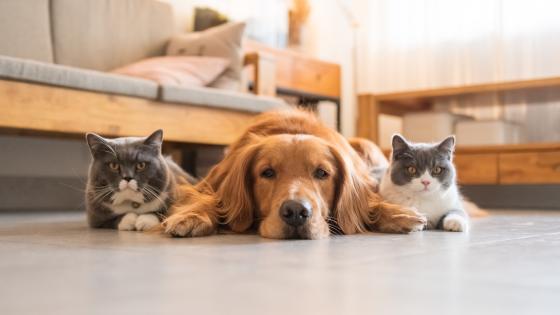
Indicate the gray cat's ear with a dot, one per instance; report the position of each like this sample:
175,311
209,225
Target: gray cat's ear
399,143
94,142
155,139
447,145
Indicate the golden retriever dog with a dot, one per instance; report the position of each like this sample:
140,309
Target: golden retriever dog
289,176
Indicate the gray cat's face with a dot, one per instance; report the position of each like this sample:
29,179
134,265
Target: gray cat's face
127,169
422,168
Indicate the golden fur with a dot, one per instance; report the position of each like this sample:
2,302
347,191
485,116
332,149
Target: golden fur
369,152
295,144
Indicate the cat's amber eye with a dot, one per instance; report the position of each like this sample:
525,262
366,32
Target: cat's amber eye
437,170
411,170
140,166
114,166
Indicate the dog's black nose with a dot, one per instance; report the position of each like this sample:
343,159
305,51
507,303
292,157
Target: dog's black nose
295,213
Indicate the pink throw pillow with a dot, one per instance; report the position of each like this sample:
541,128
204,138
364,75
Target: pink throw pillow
177,70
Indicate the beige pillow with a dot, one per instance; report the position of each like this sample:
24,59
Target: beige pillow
177,70
220,41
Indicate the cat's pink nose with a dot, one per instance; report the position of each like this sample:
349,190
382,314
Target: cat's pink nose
425,182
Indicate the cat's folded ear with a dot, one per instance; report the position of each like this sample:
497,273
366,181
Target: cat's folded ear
399,143
155,139
447,145
95,142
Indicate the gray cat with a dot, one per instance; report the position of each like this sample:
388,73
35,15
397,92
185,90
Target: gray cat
130,184
422,175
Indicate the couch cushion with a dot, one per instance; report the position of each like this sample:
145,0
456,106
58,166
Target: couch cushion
106,34
25,29
212,97
40,72
177,70
220,41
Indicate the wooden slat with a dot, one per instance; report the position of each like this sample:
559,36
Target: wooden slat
477,168
528,147
420,95
316,77
295,71
530,168
262,72
368,118
25,106
505,148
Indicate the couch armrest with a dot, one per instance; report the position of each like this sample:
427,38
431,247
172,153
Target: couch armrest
262,72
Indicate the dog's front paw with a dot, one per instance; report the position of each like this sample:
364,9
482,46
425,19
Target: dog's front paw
392,218
145,222
455,223
190,225
410,220
128,222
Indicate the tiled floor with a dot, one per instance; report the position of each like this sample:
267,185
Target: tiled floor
53,264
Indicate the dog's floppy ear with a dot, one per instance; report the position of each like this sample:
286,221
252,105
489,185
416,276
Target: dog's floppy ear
369,152
235,191
351,196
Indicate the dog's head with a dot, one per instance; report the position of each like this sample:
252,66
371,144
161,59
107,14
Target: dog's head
289,186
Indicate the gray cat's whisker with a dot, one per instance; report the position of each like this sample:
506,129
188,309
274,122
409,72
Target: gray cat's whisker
146,190
157,197
154,190
101,196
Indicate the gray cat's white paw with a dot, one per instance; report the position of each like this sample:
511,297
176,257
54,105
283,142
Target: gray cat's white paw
128,222
455,223
145,222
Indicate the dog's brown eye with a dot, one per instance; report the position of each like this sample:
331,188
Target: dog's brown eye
114,166
411,170
437,170
140,166
320,173
268,173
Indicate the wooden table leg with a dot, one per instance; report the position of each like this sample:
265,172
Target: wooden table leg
368,118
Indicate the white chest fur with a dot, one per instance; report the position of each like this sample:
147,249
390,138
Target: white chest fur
132,201
432,204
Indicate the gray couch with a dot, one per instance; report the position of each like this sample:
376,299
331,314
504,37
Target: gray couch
72,43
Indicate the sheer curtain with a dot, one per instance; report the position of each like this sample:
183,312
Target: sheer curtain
419,44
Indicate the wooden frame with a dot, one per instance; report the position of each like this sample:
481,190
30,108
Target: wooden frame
44,109
299,76
537,163
262,69
370,106
55,110
297,72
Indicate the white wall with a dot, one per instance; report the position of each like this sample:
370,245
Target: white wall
330,38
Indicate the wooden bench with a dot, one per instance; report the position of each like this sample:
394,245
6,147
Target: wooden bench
537,163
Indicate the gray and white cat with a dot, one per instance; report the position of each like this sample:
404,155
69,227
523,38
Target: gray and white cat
130,184
422,175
